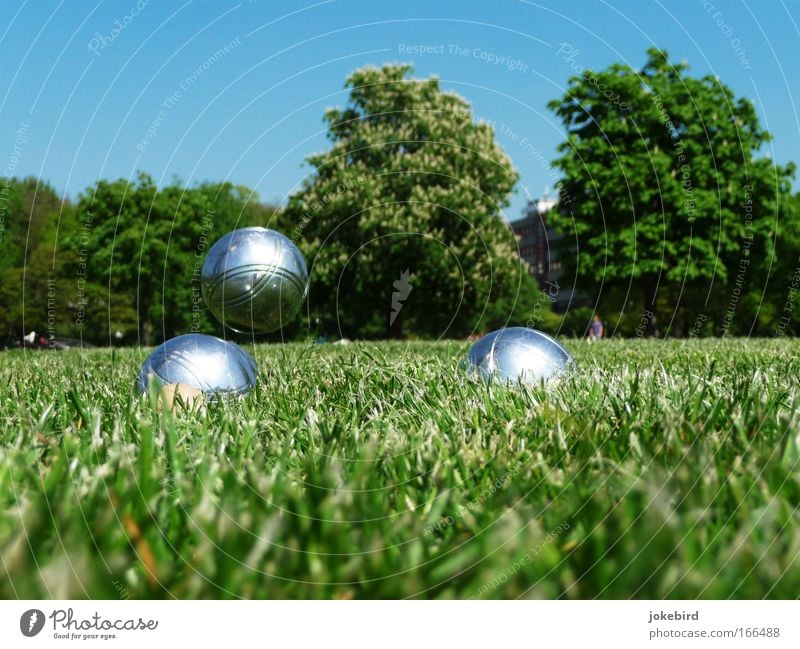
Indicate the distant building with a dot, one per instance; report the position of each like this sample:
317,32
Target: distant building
538,246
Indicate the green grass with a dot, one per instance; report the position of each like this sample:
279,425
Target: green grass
377,470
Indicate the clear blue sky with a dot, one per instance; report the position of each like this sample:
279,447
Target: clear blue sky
82,98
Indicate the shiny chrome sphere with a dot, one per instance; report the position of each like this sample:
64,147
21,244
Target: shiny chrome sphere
212,365
518,354
254,280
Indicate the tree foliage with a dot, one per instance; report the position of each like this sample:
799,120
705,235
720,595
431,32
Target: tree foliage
31,271
149,244
401,220
125,260
672,214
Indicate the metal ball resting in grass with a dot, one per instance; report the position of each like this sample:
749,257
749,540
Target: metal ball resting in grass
254,280
212,365
518,354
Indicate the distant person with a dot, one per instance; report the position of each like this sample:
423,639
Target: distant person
595,329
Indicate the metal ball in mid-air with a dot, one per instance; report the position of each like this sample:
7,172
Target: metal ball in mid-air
254,280
210,364
518,354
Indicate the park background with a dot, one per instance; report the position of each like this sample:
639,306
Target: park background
135,134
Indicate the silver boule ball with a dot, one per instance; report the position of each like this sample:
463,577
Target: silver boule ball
210,364
518,354
254,280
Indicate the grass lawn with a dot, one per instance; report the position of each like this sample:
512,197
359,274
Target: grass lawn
376,470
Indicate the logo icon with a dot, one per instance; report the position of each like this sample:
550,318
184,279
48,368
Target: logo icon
403,290
31,622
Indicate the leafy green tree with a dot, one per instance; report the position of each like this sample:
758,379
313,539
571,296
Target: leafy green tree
32,280
29,209
400,220
146,246
237,206
664,198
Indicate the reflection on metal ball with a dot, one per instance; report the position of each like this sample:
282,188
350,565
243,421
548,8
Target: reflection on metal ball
518,354
212,365
254,280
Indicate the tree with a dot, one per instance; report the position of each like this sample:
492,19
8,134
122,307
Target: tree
29,209
146,247
664,199
401,218
32,280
